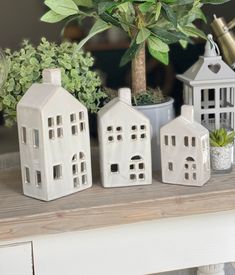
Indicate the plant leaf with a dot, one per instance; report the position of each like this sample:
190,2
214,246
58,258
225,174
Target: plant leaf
157,44
104,6
130,53
193,31
158,10
83,3
144,8
98,27
169,37
161,56
142,35
183,43
52,17
170,15
110,19
62,7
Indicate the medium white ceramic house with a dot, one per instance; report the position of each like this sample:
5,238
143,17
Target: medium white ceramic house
54,140
125,143
209,85
185,151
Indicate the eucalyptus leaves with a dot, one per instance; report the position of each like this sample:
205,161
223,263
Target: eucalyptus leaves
26,65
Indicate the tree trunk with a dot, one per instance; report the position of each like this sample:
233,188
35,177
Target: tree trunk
138,70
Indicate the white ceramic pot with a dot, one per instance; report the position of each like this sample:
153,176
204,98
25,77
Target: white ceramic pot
221,158
159,115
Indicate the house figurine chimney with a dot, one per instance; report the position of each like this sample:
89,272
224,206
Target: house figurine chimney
52,76
187,112
124,95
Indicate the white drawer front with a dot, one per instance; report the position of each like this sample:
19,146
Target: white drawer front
16,259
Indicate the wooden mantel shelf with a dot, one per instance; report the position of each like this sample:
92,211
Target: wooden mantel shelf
97,207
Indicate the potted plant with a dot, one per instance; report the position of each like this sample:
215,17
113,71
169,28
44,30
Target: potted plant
26,65
149,23
221,150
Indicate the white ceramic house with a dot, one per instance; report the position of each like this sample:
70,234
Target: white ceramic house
54,140
185,151
125,143
209,85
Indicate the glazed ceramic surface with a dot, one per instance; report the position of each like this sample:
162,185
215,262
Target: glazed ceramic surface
54,140
185,150
125,143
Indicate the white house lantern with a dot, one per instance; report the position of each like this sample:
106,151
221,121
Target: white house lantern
125,143
209,85
54,140
185,151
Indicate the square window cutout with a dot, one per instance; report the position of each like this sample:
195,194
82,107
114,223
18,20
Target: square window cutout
119,137
132,166
132,176
134,128
133,137
114,168
110,138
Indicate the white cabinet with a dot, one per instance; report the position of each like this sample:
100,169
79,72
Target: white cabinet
16,259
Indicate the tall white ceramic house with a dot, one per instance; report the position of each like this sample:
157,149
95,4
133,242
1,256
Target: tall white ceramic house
125,143
185,150
54,140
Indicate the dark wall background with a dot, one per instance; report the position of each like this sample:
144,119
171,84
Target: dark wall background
20,19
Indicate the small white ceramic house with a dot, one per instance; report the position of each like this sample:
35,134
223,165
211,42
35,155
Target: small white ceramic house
185,150
54,140
125,143
209,85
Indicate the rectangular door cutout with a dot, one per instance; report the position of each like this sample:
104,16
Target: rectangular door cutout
38,179
57,172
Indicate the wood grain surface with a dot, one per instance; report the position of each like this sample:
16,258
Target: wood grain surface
21,216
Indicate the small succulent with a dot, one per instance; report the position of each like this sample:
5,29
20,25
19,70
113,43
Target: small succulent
221,138
26,65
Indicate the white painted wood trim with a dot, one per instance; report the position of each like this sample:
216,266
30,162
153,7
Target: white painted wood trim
141,248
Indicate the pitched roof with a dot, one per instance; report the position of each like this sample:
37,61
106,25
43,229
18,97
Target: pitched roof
112,106
208,69
38,95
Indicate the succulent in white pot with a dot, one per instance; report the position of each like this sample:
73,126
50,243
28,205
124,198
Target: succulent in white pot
221,150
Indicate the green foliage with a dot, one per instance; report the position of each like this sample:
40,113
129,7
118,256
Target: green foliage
220,138
157,22
151,96
26,65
